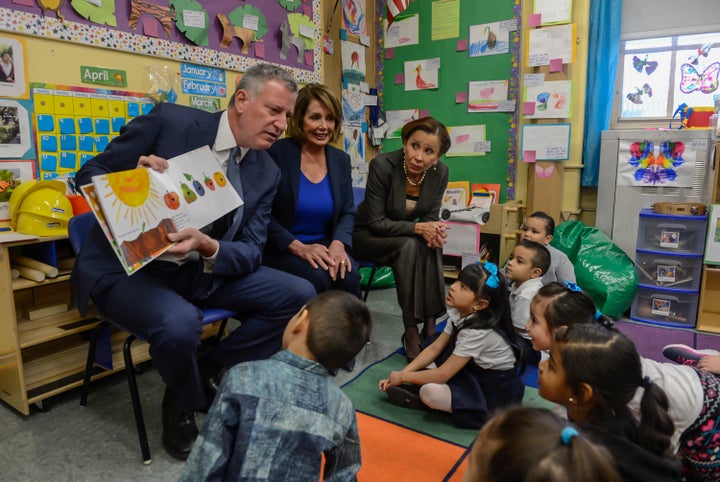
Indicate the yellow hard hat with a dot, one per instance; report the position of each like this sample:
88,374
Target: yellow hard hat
25,188
44,212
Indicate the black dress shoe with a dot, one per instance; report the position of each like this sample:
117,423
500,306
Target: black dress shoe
349,366
179,429
407,396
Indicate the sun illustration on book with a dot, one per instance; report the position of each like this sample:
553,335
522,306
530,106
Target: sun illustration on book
134,199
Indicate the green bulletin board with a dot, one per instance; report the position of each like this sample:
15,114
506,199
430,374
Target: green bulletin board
456,70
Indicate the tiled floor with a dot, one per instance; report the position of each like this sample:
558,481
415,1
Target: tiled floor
99,442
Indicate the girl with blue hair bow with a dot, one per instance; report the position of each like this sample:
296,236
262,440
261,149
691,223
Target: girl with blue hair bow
471,368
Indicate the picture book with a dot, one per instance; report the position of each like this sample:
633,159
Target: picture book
137,208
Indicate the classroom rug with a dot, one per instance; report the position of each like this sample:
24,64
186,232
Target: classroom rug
401,444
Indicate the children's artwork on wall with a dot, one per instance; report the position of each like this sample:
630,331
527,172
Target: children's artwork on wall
15,129
184,30
545,142
354,17
693,80
550,43
353,101
73,124
643,163
553,11
354,144
402,32
396,119
353,61
98,11
13,79
12,174
545,172
422,74
487,95
301,34
489,39
550,100
467,141
359,174
445,20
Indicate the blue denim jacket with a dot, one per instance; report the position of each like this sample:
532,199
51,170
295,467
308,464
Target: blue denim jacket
274,420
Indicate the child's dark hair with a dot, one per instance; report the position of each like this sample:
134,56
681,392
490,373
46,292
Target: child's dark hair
534,444
607,360
549,221
541,255
568,306
480,279
339,327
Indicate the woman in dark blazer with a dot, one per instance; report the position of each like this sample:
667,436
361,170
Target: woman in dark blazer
398,224
310,233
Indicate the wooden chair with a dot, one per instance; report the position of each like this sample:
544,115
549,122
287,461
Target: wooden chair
78,229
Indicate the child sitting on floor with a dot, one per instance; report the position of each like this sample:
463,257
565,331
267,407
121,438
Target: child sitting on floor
540,227
594,371
276,419
530,443
470,369
694,395
708,360
527,264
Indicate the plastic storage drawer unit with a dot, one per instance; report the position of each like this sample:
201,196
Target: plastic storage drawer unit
671,234
669,307
664,270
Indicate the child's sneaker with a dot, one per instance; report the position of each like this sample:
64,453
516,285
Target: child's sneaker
685,355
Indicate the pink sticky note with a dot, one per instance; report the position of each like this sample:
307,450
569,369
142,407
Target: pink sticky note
461,45
556,65
528,108
460,97
150,28
529,156
399,79
389,53
24,3
424,113
307,9
535,20
308,57
259,50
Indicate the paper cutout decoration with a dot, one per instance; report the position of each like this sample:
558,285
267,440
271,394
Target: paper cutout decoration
290,30
245,35
192,20
290,5
544,172
164,15
692,80
636,97
649,65
98,11
52,5
701,52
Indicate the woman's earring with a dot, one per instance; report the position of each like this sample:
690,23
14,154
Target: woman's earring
571,400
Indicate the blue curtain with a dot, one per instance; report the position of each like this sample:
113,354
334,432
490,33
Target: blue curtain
603,51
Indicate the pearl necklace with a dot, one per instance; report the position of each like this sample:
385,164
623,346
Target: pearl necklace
415,184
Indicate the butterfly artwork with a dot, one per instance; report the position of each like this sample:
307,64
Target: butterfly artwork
636,97
701,52
648,65
654,170
692,80
544,172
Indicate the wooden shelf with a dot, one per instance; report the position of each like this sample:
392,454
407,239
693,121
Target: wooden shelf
53,327
22,283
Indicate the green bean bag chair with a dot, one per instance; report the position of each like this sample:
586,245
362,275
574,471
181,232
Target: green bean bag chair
602,269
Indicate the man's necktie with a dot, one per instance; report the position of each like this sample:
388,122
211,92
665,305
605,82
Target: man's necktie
233,175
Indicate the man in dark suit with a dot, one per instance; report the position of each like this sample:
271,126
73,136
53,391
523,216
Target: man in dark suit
218,266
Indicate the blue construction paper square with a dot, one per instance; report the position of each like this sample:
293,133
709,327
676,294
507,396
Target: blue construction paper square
48,162
45,123
68,160
147,107
101,143
67,125
133,109
102,126
85,158
117,123
343,34
49,176
68,143
85,125
48,143
86,143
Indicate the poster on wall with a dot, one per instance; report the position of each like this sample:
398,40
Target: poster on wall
353,61
354,17
489,39
12,173
354,144
489,96
402,32
13,79
548,100
422,74
646,163
467,141
15,129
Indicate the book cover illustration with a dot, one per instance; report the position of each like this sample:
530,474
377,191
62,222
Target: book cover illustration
137,208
